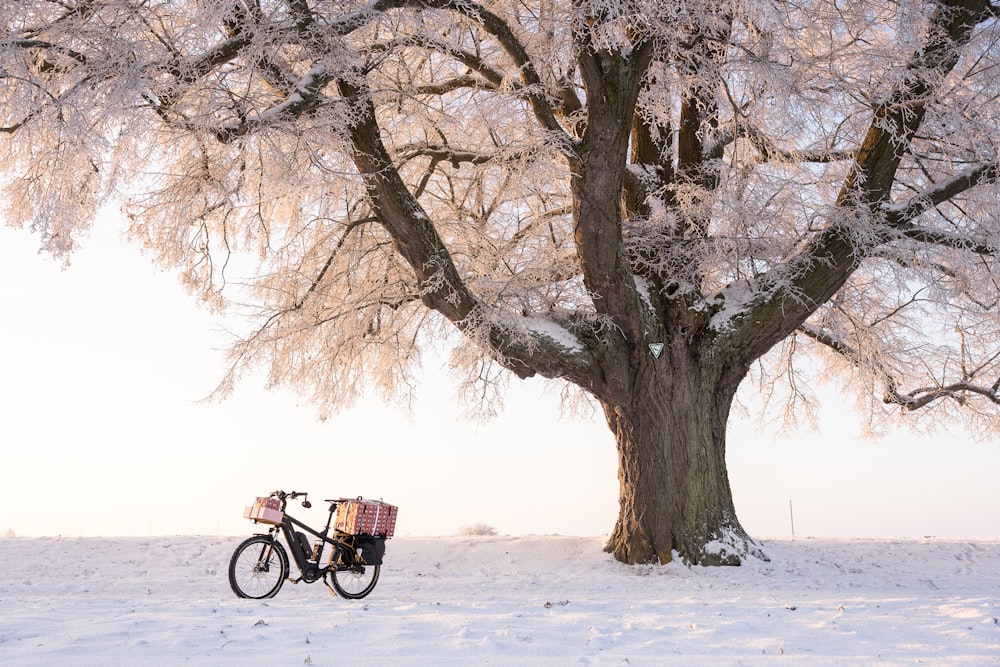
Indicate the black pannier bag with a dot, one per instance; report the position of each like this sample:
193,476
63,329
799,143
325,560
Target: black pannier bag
370,549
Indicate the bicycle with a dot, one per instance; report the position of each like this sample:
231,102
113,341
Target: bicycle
260,566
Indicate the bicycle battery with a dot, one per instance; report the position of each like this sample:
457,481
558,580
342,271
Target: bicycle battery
304,543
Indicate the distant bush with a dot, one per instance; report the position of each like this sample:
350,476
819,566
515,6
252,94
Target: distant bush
477,529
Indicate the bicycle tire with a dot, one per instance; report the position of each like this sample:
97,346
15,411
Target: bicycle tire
355,582
258,568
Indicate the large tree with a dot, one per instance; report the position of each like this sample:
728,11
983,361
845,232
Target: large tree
651,200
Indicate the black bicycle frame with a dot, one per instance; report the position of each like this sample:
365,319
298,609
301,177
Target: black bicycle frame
311,570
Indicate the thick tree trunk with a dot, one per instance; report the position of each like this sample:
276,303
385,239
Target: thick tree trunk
675,499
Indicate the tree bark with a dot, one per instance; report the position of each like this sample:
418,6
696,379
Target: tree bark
675,499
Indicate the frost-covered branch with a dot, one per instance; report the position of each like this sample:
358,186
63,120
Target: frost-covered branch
525,67
916,398
944,239
446,153
829,340
897,118
942,192
923,396
440,284
454,84
46,65
306,96
699,147
494,78
620,172
820,267
769,150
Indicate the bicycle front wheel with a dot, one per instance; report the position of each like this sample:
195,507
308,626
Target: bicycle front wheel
258,568
355,581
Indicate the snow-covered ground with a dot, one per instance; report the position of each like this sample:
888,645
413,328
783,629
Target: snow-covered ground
505,601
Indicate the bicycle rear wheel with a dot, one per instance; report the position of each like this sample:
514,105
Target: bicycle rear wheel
356,581
258,568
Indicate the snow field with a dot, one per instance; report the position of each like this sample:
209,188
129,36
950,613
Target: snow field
536,600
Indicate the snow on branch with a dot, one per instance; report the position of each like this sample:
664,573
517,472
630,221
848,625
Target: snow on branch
924,396
305,96
956,241
191,69
900,215
552,345
555,332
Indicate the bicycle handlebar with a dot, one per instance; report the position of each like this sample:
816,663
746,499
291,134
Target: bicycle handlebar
292,495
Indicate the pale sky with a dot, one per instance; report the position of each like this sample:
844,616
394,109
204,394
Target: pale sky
102,432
